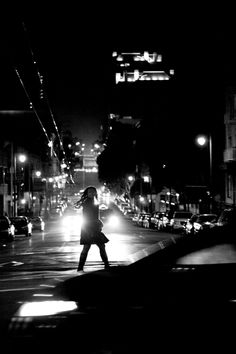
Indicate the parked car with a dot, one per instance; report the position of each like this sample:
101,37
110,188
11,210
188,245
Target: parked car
141,218
127,209
124,206
146,221
227,218
7,229
22,225
163,221
130,215
200,222
135,218
154,219
159,220
179,220
37,223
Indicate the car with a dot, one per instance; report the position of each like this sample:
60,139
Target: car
135,218
176,289
159,220
127,210
103,206
22,225
109,217
38,223
146,221
152,220
124,207
7,229
227,217
179,220
163,221
129,215
200,222
55,213
141,218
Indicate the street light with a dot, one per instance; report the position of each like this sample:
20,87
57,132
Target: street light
130,178
203,140
21,158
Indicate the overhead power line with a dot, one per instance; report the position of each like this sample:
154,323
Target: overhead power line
42,93
33,107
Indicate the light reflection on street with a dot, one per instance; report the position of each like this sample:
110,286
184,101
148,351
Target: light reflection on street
60,245
43,236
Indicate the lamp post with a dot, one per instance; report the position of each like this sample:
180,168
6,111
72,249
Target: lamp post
12,181
21,158
203,140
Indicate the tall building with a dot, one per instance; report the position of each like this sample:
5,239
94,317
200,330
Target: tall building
230,147
87,173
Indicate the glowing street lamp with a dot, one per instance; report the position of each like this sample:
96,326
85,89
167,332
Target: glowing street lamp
38,174
21,158
130,178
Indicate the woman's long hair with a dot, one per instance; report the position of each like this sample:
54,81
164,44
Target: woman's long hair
84,196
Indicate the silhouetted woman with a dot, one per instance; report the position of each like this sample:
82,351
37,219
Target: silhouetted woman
91,229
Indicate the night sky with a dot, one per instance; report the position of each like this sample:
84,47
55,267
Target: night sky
73,53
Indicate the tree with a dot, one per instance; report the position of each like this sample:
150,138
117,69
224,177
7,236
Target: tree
118,158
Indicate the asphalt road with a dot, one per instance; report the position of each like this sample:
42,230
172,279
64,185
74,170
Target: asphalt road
58,248
30,267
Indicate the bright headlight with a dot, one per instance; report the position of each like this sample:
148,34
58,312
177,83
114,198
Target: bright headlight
72,224
71,221
113,220
197,226
188,226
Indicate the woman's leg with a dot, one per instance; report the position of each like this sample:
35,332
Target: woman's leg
83,257
103,254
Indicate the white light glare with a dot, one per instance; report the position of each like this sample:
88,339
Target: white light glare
45,308
113,220
201,140
22,158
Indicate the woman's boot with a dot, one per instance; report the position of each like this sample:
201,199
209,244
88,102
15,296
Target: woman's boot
81,263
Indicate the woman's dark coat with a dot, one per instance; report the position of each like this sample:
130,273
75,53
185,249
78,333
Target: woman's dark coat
91,230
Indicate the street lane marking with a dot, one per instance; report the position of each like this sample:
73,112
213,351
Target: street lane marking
18,289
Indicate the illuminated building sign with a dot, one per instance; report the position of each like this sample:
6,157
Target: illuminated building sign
134,67
141,76
145,56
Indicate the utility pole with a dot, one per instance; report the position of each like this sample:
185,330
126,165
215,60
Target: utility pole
12,182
